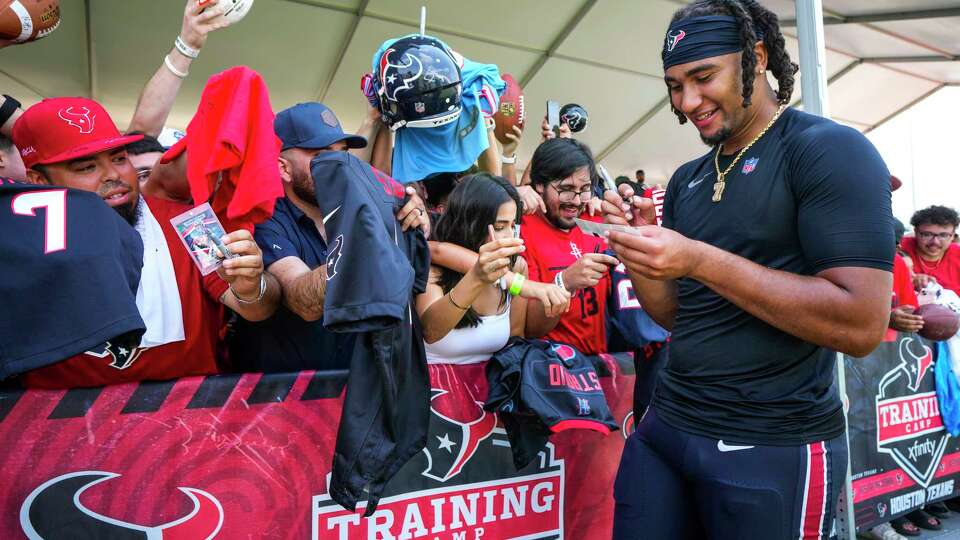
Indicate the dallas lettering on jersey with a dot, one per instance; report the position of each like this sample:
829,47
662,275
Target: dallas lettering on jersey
520,507
560,376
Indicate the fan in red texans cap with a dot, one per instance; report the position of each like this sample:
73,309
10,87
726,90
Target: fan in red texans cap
776,250
73,142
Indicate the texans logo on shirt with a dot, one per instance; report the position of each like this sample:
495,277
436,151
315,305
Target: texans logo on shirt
333,258
120,357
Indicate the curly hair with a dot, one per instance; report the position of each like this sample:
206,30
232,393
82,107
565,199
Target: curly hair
935,215
753,20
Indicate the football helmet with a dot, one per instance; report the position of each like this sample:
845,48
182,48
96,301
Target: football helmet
418,83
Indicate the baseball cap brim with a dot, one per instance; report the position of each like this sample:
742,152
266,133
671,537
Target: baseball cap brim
91,148
353,141
895,183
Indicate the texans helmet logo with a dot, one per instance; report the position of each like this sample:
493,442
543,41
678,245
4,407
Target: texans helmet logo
674,38
386,77
449,452
915,365
120,356
54,511
78,117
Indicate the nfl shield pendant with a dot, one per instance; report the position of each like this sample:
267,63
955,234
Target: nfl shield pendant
718,190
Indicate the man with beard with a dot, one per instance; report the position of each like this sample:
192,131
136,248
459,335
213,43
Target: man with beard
557,251
775,251
294,248
73,143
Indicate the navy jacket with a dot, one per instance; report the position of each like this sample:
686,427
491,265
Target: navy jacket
373,271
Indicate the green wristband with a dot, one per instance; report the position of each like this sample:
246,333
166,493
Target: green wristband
517,284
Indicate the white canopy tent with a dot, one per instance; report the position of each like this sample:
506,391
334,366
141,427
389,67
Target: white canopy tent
882,56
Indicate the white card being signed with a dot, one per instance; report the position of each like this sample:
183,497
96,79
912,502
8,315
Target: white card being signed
597,229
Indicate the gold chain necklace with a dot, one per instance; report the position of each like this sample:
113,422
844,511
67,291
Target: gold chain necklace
720,185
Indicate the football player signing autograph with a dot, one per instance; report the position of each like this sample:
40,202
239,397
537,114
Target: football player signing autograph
775,251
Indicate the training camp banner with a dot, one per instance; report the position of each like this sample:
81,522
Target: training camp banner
901,455
249,456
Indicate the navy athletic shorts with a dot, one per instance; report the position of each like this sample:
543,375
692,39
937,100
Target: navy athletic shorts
675,485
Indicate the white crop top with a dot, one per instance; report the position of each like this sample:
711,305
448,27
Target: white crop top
471,345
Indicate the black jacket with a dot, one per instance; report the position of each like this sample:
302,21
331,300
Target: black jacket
373,271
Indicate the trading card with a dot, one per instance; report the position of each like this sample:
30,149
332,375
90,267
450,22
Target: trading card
201,233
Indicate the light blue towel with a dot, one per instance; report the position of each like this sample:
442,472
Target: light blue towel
454,147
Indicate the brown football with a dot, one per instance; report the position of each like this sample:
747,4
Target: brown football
28,20
939,322
511,112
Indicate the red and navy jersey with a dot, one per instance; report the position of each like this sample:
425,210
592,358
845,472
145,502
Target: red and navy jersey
373,271
539,388
203,318
628,325
549,251
72,267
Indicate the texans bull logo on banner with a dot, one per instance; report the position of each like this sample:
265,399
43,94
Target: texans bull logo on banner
909,426
54,511
468,486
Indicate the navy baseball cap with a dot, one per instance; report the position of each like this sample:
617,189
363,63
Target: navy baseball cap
312,125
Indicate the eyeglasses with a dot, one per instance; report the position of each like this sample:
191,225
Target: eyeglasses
926,235
567,195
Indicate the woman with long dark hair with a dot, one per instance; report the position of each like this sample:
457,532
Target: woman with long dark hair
469,313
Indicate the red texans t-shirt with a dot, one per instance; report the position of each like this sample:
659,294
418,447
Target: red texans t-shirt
946,271
203,317
550,251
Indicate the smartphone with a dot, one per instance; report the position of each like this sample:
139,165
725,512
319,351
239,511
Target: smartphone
553,116
513,258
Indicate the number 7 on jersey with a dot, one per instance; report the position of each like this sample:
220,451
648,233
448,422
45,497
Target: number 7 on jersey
55,223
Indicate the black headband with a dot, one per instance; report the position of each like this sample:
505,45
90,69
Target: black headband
697,38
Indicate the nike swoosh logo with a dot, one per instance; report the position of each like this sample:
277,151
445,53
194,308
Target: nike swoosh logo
693,183
723,447
330,215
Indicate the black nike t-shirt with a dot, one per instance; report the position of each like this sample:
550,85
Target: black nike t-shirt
808,196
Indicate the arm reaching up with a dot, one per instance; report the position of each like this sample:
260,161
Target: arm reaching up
156,99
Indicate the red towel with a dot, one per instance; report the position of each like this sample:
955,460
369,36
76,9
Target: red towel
232,133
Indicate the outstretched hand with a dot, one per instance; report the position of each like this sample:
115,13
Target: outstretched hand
200,17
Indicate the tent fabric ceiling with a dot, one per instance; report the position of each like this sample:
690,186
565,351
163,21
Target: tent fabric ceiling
601,54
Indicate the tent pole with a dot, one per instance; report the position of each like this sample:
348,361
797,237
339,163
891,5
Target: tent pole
813,86
813,83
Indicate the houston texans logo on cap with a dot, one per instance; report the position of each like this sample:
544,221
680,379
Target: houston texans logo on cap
78,117
674,38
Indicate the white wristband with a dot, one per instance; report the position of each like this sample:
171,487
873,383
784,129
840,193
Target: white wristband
185,49
558,280
508,160
173,69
